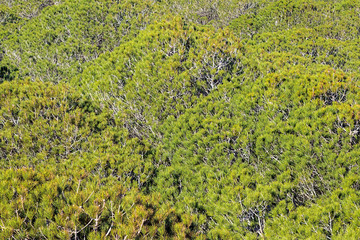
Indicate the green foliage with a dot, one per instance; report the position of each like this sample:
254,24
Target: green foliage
53,46
160,73
217,12
119,120
68,171
332,19
237,155
14,14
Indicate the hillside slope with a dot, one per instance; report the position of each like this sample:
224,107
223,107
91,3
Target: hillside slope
151,119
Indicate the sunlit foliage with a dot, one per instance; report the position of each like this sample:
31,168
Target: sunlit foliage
179,119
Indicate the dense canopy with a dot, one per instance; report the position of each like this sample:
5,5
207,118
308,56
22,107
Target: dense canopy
172,119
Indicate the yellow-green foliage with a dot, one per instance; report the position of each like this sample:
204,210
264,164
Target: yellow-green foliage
179,119
53,45
160,73
67,169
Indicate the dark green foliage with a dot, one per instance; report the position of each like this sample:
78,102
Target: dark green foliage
121,121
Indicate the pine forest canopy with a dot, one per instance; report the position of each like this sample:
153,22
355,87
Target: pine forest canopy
172,119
